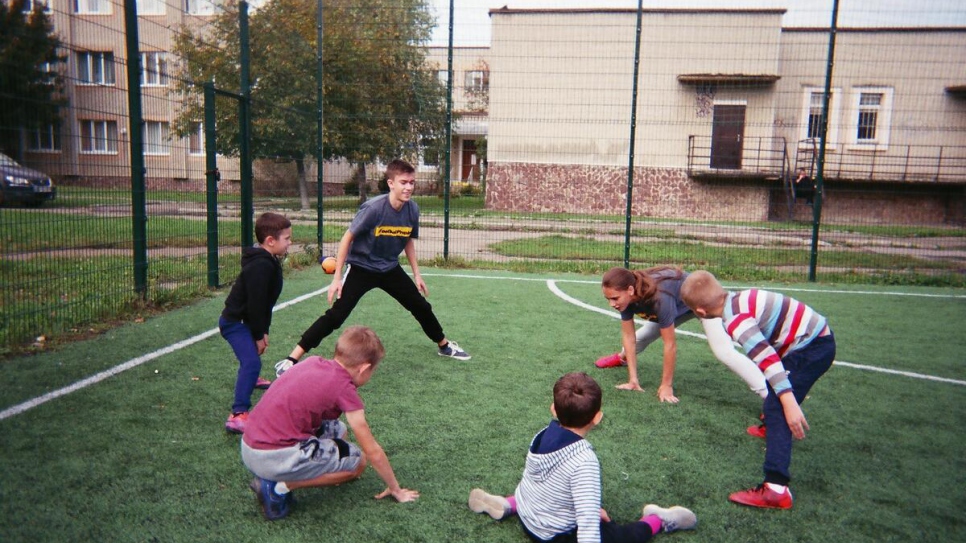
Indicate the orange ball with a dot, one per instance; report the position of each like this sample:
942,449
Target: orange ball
328,264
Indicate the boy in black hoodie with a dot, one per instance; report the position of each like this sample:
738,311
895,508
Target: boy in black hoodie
247,315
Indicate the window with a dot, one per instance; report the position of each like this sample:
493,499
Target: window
443,77
92,6
869,104
872,116
150,7
199,7
156,138
95,68
45,139
477,80
98,137
28,5
154,69
812,115
196,140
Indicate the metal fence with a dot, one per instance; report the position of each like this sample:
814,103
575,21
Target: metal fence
571,140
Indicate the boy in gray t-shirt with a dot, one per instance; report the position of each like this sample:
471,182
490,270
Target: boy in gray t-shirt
384,227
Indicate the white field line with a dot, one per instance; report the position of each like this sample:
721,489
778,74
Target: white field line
133,363
96,378
552,285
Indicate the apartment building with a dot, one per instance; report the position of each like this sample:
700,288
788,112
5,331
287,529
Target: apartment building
91,144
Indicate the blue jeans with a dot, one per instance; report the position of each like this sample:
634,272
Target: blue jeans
239,336
804,367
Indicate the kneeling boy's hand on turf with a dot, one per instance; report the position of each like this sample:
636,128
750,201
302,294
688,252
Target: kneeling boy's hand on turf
402,495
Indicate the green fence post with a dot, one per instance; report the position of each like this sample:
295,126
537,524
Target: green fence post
320,187
820,174
139,215
630,153
449,133
244,116
211,182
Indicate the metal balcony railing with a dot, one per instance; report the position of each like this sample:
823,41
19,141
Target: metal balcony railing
892,163
757,157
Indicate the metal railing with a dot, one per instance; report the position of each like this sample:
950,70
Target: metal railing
888,163
759,157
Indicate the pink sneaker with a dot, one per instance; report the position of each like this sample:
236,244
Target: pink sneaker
262,383
236,422
610,361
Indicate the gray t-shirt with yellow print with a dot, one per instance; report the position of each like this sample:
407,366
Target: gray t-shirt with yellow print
380,233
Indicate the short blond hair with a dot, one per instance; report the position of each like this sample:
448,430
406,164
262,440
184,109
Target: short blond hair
702,291
359,345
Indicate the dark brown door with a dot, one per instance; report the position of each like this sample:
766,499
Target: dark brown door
471,170
727,133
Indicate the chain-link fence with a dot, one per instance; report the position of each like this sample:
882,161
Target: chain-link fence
738,140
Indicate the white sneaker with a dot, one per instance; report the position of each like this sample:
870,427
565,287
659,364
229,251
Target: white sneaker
673,518
497,507
453,350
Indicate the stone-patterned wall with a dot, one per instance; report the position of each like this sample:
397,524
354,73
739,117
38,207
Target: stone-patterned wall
670,193
879,204
658,192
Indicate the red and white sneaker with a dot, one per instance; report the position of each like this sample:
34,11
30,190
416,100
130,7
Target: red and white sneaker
758,430
236,422
763,496
610,361
262,383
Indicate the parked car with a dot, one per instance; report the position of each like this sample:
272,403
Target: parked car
21,184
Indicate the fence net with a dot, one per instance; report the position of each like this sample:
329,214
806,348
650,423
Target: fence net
758,143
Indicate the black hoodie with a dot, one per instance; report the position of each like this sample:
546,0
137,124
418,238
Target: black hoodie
255,292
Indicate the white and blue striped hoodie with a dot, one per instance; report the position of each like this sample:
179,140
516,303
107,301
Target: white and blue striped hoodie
560,489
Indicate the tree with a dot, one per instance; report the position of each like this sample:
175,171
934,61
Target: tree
30,86
379,101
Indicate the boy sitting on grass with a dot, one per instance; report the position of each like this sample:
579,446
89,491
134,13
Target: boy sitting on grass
792,345
294,438
558,498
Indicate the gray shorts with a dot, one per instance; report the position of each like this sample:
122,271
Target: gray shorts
314,457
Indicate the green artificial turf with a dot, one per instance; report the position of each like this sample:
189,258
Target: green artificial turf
142,455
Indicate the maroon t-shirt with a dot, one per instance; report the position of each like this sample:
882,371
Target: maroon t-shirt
293,408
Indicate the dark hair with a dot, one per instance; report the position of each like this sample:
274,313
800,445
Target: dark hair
397,167
646,283
576,399
270,224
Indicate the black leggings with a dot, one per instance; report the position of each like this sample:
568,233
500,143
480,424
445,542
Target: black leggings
359,281
610,532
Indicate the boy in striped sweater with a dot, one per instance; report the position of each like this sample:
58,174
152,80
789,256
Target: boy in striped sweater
792,345
558,498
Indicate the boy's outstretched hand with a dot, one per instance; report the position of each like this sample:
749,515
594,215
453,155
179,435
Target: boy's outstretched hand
402,495
794,416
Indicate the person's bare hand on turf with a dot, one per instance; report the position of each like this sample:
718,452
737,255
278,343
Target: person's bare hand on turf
402,495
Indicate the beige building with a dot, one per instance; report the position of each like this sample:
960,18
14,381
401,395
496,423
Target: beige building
471,83
92,143
728,106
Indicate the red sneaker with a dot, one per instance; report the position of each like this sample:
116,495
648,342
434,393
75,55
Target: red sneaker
262,383
610,361
236,422
764,497
757,431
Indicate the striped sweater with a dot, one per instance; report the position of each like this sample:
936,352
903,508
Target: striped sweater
560,488
768,325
